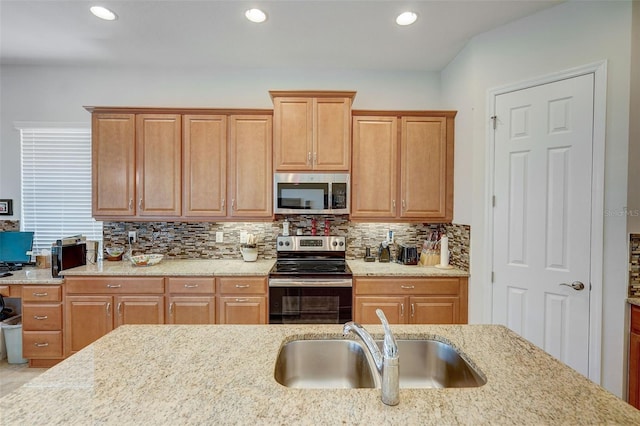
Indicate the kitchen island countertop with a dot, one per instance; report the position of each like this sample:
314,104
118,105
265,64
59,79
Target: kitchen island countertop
223,374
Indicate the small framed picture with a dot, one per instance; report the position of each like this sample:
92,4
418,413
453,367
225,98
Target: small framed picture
6,207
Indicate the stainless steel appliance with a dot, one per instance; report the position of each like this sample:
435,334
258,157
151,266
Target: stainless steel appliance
310,283
407,255
311,193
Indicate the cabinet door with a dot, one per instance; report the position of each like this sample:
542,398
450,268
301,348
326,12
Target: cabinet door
243,310
332,134
113,168
204,159
434,310
634,370
139,310
374,169
192,310
250,166
159,164
426,167
394,308
87,318
293,133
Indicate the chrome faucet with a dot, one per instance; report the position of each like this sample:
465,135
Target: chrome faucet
387,362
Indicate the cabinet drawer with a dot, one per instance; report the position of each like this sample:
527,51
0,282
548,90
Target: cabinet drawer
247,285
409,286
114,285
635,319
42,344
41,293
41,316
191,285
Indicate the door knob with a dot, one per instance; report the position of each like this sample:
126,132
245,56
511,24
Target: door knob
576,285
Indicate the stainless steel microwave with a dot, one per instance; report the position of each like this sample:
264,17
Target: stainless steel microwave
311,193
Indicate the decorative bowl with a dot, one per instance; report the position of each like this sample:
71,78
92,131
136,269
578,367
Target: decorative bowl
114,251
146,259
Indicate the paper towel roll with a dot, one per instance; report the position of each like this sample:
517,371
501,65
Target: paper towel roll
444,251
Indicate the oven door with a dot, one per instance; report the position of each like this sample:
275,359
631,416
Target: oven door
309,303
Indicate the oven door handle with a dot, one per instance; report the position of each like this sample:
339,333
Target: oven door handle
293,282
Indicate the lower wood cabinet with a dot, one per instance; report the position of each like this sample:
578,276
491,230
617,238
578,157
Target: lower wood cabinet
411,300
96,305
191,300
634,358
42,331
243,300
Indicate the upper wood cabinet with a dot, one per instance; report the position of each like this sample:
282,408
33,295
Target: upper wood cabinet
158,164
204,159
403,166
250,166
113,164
163,163
312,130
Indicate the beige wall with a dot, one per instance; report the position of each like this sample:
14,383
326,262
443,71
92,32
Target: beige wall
570,35
633,201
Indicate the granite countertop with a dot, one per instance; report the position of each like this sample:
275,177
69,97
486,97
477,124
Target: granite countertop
634,301
223,374
361,268
180,267
30,275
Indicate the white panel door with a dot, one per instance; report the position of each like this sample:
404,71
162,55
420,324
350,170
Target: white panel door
542,216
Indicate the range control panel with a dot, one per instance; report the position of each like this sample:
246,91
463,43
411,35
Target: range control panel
302,243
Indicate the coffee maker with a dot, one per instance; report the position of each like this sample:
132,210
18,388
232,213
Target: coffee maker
384,252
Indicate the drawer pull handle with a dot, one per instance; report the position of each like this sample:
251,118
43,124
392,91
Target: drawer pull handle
114,285
45,294
242,300
41,345
242,286
40,317
407,287
191,286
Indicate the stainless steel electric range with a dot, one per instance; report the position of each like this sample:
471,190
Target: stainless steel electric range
310,283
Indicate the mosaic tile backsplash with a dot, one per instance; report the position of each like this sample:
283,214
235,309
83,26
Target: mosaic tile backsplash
9,225
634,265
191,240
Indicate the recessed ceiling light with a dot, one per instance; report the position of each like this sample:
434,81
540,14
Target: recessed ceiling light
103,13
255,15
406,18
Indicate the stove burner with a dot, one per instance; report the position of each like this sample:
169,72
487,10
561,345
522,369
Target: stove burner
325,268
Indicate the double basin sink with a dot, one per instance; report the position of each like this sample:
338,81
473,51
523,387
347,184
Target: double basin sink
343,363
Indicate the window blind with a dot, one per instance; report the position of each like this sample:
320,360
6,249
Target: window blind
56,185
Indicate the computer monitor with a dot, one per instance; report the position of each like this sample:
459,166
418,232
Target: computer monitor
15,247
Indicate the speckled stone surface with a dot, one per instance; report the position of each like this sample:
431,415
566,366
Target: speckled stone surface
183,267
634,301
362,268
33,276
223,374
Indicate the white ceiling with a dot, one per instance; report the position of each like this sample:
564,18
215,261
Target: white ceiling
329,34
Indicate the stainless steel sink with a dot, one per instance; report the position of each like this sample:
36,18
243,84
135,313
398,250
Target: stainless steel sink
324,364
333,364
434,364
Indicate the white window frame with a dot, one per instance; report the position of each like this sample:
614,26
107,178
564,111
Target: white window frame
55,165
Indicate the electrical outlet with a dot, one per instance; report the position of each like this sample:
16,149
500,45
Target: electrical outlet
133,237
219,237
243,237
